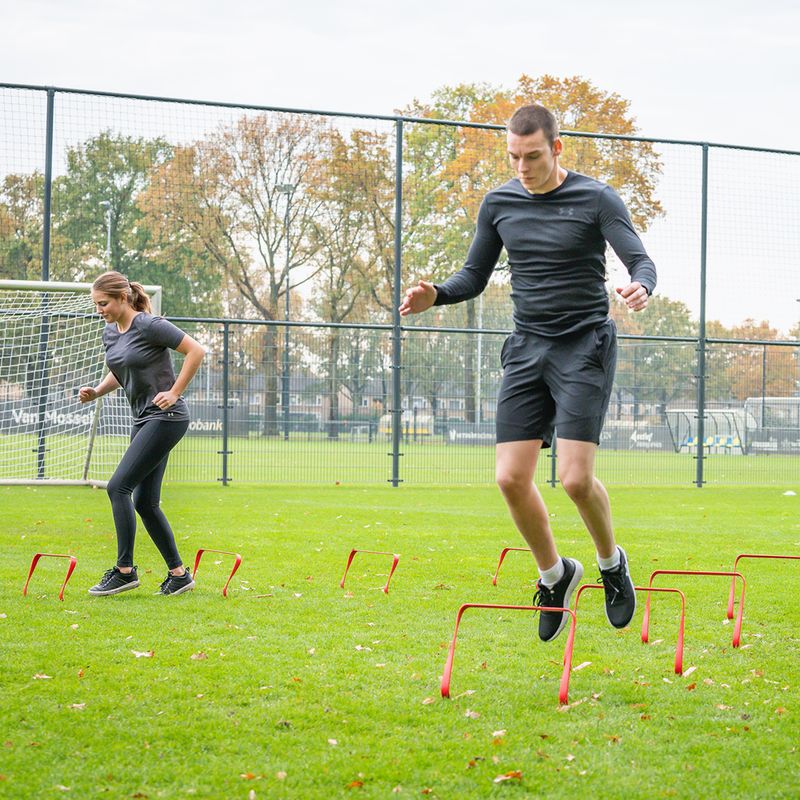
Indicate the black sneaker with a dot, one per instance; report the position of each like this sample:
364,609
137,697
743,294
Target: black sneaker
114,582
620,594
551,623
177,584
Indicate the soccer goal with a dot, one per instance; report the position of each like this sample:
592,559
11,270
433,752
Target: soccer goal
50,346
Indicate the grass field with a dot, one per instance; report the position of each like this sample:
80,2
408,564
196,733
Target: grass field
312,458
295,688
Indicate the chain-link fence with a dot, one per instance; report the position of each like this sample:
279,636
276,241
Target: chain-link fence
283,238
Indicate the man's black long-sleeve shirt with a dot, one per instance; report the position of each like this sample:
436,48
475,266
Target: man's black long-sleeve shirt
556,245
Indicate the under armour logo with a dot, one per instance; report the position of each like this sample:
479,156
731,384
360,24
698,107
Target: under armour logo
565,212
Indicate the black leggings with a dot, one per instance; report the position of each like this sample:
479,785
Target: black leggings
140,474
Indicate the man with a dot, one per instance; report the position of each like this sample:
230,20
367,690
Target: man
558,364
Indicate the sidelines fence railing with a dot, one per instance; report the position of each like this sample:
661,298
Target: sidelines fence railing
283,237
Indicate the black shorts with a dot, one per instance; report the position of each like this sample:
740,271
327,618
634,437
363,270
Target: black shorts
562,383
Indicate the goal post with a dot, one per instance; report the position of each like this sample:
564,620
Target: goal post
50,345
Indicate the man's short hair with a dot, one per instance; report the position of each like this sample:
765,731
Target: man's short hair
532,118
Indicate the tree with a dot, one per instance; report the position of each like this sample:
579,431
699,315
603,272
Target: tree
240,198
761,370
21,199
114,169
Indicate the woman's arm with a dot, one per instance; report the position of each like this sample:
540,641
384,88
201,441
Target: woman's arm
108,384
194,354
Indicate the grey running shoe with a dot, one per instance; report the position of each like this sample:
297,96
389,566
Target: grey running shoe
620,594
551,623
114,582
177,584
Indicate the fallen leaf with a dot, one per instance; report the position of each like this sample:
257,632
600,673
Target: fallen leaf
40,676
472,714
427,701
251,795
332,742
582,666
63,788
281,776
691,687
426,790
78,706
570,757
613,738
688,671
143,653
355,784
248,776
780,710
311,651
514,775
723,707
499,733
198,656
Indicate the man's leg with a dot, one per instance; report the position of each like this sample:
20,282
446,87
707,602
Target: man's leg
576,473
515,465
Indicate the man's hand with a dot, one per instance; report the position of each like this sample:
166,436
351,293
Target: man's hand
418,298
165,400
86,394
634,295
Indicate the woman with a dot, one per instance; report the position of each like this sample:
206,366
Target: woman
137,354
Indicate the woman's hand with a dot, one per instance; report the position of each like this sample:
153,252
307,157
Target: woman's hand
166,400
87,393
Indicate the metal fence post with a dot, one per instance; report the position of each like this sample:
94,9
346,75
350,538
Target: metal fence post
397,410
225,452
701,340
48,185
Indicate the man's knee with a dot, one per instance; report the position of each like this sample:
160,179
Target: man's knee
511,482
578,484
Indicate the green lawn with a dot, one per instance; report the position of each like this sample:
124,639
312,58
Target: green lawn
299,689
314,459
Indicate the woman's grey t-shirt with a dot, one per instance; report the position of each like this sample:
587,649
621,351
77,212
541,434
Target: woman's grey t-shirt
139,359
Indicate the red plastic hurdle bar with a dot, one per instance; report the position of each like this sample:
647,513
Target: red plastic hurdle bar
236,564
736,564
503,553
737,627
563,691
568,652
70,569
395,559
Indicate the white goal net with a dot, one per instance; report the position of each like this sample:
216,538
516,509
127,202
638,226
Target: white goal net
50,346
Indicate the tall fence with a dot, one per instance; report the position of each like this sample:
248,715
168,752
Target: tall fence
283,238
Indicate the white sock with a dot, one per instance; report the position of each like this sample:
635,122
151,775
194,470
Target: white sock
612,562
550,577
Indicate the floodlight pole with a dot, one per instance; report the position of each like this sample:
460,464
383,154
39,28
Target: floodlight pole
288,190
106,204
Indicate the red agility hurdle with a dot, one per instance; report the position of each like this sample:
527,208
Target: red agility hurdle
448,667
568,651
395,559
503,553
236,564
70,569
736,564
737,628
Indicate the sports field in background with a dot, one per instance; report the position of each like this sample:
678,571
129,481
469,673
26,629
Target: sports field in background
315,459
295,688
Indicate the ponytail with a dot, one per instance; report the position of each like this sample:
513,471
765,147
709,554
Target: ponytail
140,300
117,285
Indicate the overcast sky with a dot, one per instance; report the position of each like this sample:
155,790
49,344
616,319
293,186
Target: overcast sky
701,69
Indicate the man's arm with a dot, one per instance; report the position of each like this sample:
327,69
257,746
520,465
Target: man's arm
469,281
482,257
618,231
